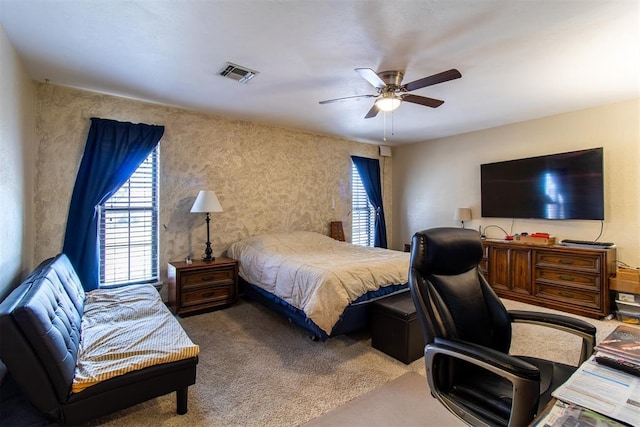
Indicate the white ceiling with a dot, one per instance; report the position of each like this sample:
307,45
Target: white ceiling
519,59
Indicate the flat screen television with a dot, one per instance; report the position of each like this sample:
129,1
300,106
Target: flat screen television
556,186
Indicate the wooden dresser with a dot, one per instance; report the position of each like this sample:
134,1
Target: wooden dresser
570,279
202,286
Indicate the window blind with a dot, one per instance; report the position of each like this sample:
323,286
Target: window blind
129,228
362,213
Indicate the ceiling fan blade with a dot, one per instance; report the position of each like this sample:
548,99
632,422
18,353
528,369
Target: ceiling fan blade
369,75
372,112
328,101
422,100
444,76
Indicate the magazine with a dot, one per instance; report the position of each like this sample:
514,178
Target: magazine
624,342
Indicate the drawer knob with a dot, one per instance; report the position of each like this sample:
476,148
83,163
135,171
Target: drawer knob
207,294
565,261
566,294
567,278
206,278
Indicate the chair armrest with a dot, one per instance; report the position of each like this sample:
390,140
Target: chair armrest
574,326
524,376
495,361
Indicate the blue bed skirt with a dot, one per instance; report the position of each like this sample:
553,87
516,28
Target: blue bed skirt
354,318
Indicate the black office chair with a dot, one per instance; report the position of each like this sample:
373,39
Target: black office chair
467,331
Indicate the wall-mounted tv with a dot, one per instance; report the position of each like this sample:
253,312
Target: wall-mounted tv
556,186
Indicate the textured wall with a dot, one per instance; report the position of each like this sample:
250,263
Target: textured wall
266,178
17,159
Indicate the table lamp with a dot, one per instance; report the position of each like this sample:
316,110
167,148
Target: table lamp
462,215
207,201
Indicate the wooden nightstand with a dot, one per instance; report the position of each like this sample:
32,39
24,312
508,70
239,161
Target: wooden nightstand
202,286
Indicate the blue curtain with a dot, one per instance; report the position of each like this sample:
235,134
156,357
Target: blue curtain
113,152
369,170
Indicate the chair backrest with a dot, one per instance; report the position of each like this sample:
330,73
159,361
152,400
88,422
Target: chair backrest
452,298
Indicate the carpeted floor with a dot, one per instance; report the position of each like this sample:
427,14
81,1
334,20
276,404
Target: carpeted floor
404,401
256,369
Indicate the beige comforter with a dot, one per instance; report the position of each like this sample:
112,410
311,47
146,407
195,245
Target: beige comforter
125,329
316,274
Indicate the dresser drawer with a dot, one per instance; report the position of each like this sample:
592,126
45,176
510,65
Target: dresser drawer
219,276
207,295
578,297
568,278
588,263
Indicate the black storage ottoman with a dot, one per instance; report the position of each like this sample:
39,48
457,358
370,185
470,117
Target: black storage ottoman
395,328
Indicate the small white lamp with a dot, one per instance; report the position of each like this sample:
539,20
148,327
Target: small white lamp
462,215
207,201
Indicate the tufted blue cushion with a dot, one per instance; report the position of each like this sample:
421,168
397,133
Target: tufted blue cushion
51,323
46,309
65,276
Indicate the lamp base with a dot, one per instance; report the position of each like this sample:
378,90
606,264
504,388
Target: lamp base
208,252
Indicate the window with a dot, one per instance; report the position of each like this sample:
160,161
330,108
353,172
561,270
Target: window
129,228
363,215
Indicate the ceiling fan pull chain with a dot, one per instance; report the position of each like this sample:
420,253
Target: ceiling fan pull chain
393,131
384,130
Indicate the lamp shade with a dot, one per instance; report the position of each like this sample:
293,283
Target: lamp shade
388,102
462,214
207,201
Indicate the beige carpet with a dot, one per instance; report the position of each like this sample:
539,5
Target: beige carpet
404,401
256,369
550,343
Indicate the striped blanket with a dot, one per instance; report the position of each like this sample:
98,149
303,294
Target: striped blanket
125,329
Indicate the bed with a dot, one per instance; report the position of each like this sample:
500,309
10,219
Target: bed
321,284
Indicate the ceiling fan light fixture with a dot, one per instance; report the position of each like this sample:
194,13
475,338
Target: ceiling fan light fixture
388,102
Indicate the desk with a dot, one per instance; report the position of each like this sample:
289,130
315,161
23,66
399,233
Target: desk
561,414
607,391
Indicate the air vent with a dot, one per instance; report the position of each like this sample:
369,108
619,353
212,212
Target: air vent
236,72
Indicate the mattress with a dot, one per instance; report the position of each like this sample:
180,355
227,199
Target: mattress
125,329
315,273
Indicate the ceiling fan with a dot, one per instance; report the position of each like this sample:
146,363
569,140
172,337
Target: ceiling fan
391,91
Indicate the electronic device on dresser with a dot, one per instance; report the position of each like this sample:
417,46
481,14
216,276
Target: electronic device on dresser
556,186
587,243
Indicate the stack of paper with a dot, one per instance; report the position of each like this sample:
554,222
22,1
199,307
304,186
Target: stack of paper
608,391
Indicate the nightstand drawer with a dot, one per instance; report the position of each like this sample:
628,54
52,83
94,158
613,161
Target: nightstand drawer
207,295
219,276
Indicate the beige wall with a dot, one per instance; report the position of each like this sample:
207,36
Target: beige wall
431,179
266,178
16,172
